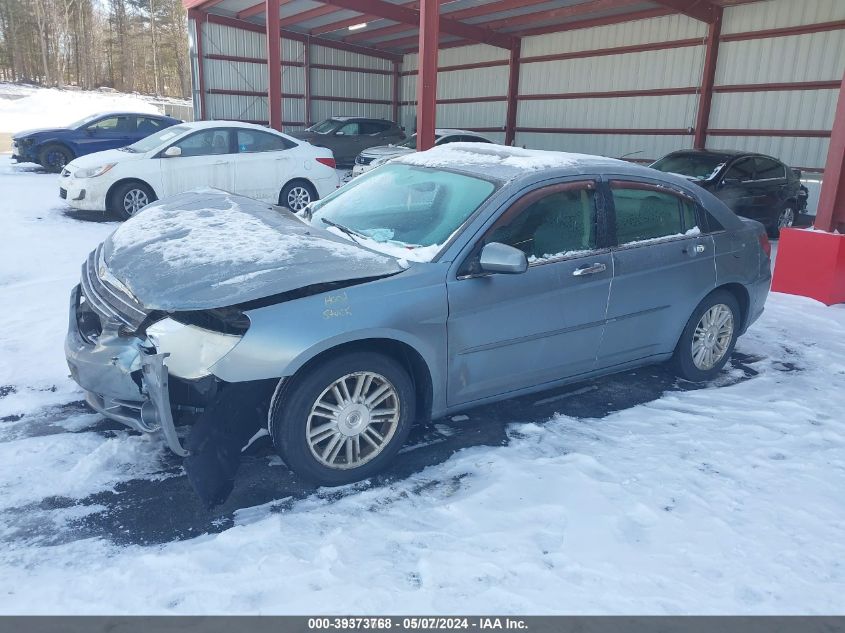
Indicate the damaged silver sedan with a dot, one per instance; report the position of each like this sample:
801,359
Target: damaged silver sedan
446,279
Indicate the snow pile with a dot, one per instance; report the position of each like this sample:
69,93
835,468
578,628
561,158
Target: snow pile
50,107
488,155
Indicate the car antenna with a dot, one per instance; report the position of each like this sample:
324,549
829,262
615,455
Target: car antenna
624,156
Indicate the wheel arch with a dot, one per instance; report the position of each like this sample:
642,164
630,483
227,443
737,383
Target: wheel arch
742,297
300,180
40,147
124,181
400,351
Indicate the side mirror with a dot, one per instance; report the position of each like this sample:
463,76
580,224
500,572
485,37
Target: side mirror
501,258
173,151
90,131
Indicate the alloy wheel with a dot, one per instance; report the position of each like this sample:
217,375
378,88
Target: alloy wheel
298,198
134,200
712,336
353,420
786,218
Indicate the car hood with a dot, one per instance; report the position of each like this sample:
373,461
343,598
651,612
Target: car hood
210,249
101,158
41,130
386,151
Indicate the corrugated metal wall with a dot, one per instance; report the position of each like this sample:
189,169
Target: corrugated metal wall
462,84
630,71
251,76
480,92
808,57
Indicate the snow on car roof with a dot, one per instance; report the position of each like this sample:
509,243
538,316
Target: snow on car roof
505,161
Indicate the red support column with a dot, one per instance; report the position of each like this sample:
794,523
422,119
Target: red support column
513,92
711,56
427,75
198,18
831,213
274,64
396,92
306,63
812,263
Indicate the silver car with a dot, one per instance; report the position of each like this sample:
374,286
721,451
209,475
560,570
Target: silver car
449,278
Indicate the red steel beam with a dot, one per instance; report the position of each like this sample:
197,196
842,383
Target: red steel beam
311,14
300,37
256,9
696,9
396,79
427,76
198,18
306,62
399,13
591,22
274,65
513,93
831,209
708,78
562,13
343,24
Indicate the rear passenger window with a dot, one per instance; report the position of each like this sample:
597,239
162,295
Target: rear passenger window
646,213
741,171
560,224
250,141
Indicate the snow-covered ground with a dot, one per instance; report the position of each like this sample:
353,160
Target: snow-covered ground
724,499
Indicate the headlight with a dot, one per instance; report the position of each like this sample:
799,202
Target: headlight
193,350
93,171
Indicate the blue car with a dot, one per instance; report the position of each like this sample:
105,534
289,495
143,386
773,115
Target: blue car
53,148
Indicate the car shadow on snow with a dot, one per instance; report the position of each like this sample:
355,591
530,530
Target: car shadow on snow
165,508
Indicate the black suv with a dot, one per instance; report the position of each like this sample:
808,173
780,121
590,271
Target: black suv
753,185
349,136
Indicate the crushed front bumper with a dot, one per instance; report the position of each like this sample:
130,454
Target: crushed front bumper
124,379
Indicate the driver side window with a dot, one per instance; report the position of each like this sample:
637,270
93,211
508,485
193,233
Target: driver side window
350,129
111,124
742,170
555,223
205,143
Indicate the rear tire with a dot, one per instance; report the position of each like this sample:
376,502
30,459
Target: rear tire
129,198
344,419
296,195
784,220
709,337
54,157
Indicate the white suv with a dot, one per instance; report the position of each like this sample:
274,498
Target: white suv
238,157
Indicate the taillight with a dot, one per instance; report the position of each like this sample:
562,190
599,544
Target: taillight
328,162
765,244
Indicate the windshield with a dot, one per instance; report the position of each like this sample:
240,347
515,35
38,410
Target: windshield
402,210
151,142
701,166
325,127
78,124
411,143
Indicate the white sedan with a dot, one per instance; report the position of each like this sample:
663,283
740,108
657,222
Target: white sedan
238,157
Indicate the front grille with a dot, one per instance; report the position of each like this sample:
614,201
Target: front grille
62,193
364,160
108,301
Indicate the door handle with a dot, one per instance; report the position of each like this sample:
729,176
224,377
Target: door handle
589,269
698,248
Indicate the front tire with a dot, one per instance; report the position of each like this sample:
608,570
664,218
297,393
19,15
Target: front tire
344,419
54,157
297,195
709,337
129,198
